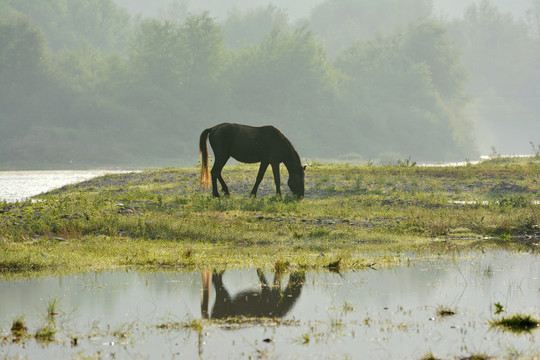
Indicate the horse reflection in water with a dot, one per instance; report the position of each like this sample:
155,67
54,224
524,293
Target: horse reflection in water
267,301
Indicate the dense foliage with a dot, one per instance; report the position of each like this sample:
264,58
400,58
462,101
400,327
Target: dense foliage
86,84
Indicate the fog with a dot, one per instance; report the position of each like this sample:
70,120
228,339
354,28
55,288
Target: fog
134,82
301,9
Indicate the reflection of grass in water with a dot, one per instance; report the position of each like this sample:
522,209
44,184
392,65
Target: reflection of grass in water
52,310
517,323
18,328
347,307
45,334
430,356
444,311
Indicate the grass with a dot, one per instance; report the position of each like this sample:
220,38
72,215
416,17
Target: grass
18,328
518,323
430,356
351,216
444,311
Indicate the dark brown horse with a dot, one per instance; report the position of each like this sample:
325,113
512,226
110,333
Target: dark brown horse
249,144
269,300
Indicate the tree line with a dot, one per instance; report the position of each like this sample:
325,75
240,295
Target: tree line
85,83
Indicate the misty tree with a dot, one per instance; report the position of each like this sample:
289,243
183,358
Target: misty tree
204,54
342,22
494,43
249,28
393,94
69,24
34,100
426,42
23,69
177,77
287,81
176,12
502,56
287,70
90,100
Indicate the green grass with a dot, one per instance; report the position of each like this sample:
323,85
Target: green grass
444,311
518,323
359,214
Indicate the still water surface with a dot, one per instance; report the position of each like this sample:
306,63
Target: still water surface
370,314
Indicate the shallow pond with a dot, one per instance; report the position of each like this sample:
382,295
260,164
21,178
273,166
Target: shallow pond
374,313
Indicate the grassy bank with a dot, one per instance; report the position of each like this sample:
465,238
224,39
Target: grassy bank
358,215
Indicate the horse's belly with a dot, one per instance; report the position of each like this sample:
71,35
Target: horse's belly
247,158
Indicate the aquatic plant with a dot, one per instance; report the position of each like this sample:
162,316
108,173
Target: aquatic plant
18,328
46,333
445,311
498,308
477,357
429,356
518,323
52,310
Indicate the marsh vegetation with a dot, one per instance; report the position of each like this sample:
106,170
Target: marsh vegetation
439,234
354,216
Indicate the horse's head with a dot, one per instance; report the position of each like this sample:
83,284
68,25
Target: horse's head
296,181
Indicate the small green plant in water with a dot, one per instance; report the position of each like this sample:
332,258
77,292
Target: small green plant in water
429,356
195,325
305,339
18,328
498,308
52,310
517,323
46,333
445,311
347,307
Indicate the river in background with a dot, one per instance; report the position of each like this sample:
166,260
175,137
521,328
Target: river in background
22,185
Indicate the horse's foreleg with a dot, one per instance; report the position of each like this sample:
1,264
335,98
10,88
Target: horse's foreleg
277,178
260,175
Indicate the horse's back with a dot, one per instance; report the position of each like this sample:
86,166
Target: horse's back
247,143
233,130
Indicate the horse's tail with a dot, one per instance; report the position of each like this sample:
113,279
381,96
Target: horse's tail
205,174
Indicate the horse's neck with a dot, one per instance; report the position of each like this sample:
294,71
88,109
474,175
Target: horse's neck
292,165
293,162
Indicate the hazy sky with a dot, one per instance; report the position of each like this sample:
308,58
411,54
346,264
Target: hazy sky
455,8
301,9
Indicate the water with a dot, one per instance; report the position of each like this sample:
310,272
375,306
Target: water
375,314
21,185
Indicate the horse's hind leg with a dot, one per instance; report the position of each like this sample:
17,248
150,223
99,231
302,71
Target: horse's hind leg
260,175
216,175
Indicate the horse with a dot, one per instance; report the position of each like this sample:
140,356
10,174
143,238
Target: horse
248,144
268,300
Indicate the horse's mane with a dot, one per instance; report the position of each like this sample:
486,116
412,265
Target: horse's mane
290,146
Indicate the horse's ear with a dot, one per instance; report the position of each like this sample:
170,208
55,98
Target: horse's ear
304,167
